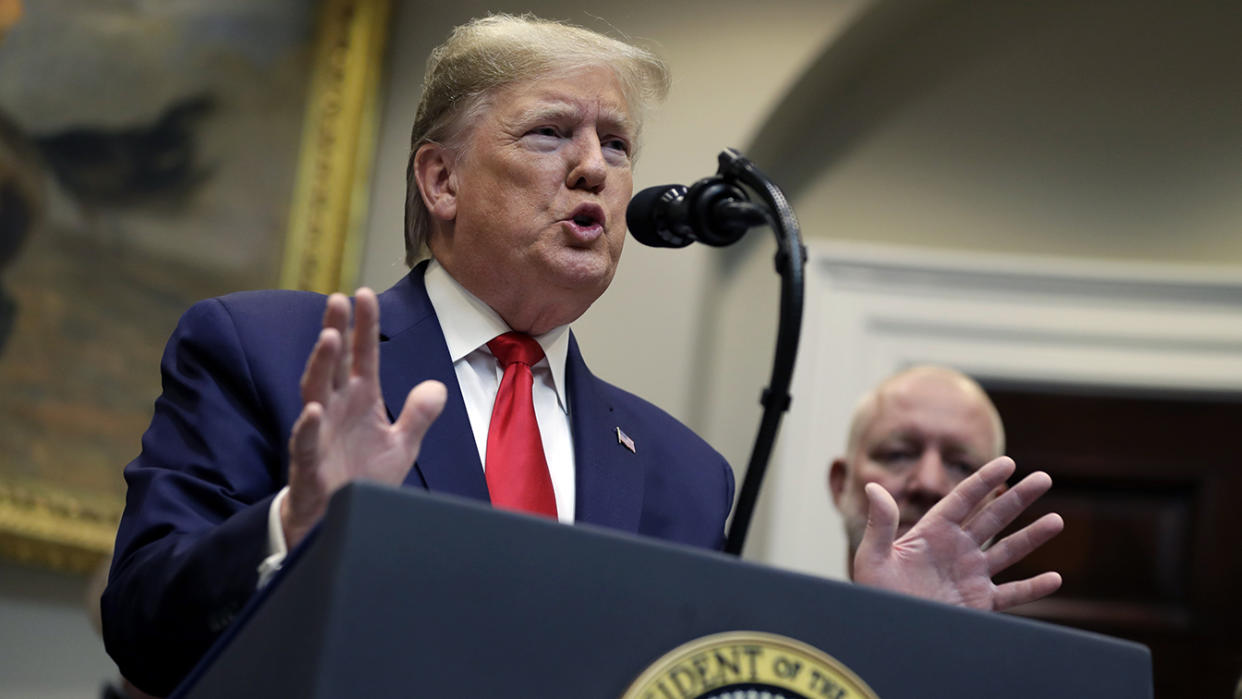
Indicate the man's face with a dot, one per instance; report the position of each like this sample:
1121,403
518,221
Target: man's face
928,432
541,189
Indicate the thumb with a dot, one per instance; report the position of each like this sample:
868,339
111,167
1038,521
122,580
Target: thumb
882,519
422,406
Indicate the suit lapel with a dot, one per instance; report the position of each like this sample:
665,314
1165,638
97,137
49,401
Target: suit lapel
412,349
609,476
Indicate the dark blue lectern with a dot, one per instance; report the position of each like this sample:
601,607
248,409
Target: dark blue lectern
405,594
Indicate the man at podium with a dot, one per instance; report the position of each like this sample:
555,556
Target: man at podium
463,378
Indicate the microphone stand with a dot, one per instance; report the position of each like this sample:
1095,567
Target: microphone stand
790,262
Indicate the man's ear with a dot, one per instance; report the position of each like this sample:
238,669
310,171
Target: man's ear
836,480
436,174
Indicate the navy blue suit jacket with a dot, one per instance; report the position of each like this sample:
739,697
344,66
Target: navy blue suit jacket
195,524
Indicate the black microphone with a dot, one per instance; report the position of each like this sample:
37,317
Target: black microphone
711,211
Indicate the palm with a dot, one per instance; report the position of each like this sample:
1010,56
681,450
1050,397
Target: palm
358,441
945,556
344,433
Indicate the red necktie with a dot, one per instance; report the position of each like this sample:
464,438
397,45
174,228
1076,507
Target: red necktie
516,469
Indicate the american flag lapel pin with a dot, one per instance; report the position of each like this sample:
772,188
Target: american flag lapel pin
623,438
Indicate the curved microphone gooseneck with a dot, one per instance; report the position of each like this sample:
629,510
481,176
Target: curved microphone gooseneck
717,211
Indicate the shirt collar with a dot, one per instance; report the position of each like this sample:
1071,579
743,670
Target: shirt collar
468,324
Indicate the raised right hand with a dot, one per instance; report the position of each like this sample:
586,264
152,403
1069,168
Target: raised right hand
343,433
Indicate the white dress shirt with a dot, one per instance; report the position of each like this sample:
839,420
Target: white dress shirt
468,325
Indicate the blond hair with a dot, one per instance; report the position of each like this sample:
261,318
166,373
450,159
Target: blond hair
487,54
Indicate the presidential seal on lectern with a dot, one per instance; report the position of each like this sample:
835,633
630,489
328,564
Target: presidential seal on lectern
748,665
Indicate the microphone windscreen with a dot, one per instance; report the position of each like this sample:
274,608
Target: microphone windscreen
646,216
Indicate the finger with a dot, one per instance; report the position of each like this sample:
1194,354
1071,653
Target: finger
1018,545
997,515
882,520
320,369
365,338
1012,594
304,503
422,406
304,446
336,316
967,495
336,313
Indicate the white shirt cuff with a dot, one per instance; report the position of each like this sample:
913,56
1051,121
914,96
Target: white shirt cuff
277,549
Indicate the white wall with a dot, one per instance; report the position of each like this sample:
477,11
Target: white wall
1104,130
48,648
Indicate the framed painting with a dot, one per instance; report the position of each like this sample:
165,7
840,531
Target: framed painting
151,155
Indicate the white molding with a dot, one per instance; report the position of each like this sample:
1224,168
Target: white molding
873,310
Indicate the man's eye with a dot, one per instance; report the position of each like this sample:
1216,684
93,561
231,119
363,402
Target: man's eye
963,467
544,131
888,456
617,144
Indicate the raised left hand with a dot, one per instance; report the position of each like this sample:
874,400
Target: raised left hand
945,556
